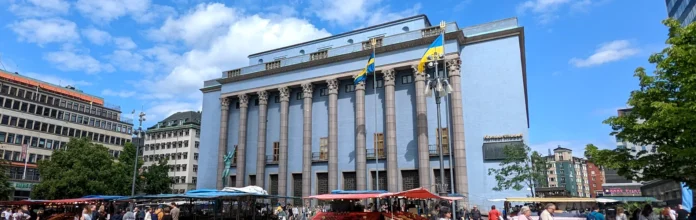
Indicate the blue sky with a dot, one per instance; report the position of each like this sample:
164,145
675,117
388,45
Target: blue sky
154,55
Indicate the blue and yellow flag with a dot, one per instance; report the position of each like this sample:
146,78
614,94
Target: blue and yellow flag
370,68
436,47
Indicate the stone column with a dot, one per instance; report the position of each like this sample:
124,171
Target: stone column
241,144
457,109
261,140
360,141
333,133
422,130
222,144
307,90
390,128
283,151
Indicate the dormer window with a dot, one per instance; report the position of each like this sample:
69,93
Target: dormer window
260,61
350,41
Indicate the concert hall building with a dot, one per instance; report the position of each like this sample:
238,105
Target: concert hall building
300,126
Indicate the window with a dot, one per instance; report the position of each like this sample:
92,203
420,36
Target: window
407,79
32,108
380,83
5,120
197,144
2,137
10,138
324,91
195,168
183,167
324,148
300,95
350,88
13,121
234,160
277,99
42,142
8,103
276,151
195,156
379,142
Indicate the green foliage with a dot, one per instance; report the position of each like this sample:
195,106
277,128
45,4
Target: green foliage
124,167
520,168
663,115
157,180
6,188
83,169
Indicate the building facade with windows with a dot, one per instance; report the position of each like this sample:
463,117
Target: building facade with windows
682,10
596,179
299,125
43,117
175,139
569,172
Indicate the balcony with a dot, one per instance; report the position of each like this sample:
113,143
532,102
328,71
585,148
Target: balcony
320,156
434,152
272,159
371,154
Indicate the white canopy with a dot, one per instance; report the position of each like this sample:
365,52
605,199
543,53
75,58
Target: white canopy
246,189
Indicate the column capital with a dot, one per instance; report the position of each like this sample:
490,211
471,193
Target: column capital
416,75
224,103
263,97
307,90
389,77
284,94
333,85
453,66
360,85
243,101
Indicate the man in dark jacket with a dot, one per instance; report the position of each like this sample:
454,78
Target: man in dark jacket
475,213
682,214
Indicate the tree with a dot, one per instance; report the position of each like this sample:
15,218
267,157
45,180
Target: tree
6,188
157,179
663,116
520,168
83,169
124,171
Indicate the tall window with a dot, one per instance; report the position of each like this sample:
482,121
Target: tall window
445,139
276,151
234,159
379,143
324,148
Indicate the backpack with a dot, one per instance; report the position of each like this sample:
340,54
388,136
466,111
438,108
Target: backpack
591,216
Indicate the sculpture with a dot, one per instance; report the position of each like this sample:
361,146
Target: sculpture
228,163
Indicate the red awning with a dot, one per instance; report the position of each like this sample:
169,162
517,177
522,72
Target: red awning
344,196
418,193
21,202
69,201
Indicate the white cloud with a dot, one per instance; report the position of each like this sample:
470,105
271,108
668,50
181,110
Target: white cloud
105,11
38,8
43,31
122,94
354,12
96,36
228,48
57,80
124,43
606,53
132,61
162,110
549,10
71,61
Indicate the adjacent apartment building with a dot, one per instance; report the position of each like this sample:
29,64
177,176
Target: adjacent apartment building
568,172
300,126
177,140
42,117
682,10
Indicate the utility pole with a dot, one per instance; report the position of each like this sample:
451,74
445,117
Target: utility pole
141,135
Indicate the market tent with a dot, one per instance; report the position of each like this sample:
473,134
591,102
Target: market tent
418,193
102,197
344,196
358,192
555,200
631,198
69,201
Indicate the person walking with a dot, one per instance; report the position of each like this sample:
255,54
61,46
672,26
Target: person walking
86,213
494,214
525,213
476,213
174,211
148,214
129,215
682,214
595,214
647,213
166,214
620,215
547,214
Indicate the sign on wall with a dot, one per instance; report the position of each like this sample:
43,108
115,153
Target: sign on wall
622,191
22,186
496,150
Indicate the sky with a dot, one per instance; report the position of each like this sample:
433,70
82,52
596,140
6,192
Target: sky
153,55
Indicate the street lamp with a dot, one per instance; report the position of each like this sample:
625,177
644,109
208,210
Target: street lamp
141,118
439,85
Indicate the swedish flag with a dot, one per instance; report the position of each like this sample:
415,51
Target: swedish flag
370,68
436,47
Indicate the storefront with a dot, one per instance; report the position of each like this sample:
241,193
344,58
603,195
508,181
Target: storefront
22,190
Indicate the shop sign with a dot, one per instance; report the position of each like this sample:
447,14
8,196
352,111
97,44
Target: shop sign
22,186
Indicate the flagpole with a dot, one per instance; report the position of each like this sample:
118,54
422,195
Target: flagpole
25,150
373,42
443,26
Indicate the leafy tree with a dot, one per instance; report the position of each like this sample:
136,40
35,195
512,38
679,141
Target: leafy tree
520,168
663,115
124,171
6,188
157,179
83,169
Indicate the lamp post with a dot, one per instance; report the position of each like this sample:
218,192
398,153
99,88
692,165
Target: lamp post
141,118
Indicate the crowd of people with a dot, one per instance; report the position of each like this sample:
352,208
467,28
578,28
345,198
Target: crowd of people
92,212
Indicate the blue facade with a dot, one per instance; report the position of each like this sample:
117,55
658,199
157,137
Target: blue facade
494,100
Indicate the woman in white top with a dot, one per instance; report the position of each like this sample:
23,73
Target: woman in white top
86,214
620,215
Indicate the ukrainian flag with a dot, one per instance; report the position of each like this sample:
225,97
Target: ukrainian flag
370,68
436,47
